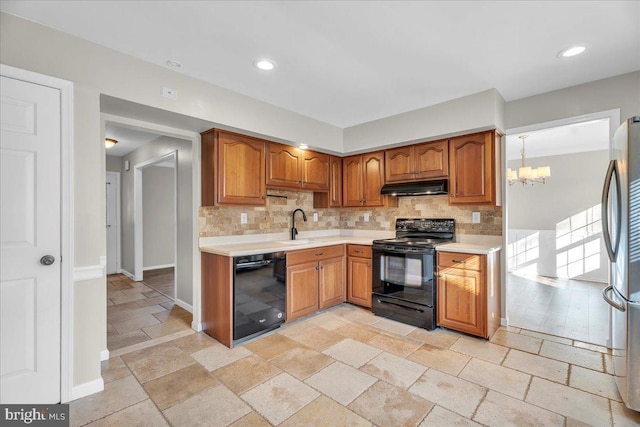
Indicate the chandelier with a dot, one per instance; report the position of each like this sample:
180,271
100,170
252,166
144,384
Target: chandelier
527,175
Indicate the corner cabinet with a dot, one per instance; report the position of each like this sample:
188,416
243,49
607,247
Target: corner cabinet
417,162
472,167
292,168
315,280
363,177
233,169
468,293
359,275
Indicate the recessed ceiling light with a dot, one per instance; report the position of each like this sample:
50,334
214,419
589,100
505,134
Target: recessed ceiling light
265,64
174,64
571,51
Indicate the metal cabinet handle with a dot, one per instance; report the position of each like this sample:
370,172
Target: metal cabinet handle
358,251
611,302
47,260
319,254
459,261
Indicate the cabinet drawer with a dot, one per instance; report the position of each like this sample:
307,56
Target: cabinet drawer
315,254
361,251
460,260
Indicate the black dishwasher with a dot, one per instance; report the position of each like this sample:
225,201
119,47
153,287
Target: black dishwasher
259,294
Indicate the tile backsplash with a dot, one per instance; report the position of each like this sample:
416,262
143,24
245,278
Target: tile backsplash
276,216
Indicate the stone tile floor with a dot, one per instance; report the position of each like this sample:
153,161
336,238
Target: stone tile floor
347,367
137,313
564,307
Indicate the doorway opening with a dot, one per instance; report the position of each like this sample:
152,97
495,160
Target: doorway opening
150,296
557,264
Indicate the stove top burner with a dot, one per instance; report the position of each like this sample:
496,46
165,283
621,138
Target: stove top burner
421,232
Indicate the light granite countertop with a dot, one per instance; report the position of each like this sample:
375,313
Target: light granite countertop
232,246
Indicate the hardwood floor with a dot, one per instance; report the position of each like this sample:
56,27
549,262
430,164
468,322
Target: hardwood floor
161,280
568,308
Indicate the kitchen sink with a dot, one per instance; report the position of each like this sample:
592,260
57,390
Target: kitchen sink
296,242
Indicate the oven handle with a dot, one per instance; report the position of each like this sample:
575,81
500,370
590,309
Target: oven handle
401,306
400,251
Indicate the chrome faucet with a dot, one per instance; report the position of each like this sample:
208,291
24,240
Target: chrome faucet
294,230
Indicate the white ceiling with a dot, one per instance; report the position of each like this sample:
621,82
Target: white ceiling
128,139
579,137
349,62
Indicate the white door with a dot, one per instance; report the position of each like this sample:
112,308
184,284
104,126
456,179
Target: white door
113,228
29,233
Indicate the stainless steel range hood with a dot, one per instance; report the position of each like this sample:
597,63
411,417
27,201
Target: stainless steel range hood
421,188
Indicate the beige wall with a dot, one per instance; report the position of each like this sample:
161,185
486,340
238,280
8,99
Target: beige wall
114,164
276,216
621,92
158,216
480,111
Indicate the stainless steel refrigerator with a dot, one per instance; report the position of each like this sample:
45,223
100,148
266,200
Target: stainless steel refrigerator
621,231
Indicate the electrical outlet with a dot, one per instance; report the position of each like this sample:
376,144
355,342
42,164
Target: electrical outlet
167,92
243,218
475,217
315,217
366,217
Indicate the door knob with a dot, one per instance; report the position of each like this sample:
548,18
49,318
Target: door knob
47,260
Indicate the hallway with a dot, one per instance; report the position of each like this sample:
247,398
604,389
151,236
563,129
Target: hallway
137,313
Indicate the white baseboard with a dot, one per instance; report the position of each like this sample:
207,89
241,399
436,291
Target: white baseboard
504,321
87,273
157,267
104,355
184,305
126,273
196,326
86,389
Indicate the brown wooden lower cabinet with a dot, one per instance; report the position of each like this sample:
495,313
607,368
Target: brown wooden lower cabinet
468,293
315,280
359,275
217,297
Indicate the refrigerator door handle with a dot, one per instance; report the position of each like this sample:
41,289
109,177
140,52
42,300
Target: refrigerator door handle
611,171
611,302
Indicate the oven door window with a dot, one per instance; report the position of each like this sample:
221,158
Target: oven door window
402,270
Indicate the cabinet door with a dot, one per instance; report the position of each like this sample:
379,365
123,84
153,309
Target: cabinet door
302,290
359,281
373,173
431,160
241,170
335,183
399,164
315,171
352,181
471,169
462,301
331,286
283,166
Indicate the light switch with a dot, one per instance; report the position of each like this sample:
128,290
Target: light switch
243,218
366,217
315,217
475,217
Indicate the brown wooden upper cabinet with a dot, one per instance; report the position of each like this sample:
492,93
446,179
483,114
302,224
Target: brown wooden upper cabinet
332,198
292,168
472,169
363,177
233,169
417,162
